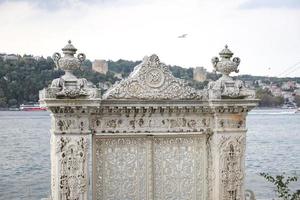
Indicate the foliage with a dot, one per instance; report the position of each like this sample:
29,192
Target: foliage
282,186
267,99
297,100
21,79
123,67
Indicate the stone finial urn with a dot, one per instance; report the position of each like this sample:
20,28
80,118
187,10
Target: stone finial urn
69,86
68,63
225,66
226,87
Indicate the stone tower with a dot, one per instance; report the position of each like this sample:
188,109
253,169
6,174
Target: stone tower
100,66
199,74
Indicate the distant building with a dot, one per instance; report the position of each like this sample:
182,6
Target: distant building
276,91
200,74
10,57
289,85
249,84
297,92
28,57
288,96
100,66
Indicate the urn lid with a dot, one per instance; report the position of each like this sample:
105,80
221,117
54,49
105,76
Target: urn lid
226,53
69,49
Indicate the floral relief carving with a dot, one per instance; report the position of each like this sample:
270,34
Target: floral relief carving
72,177
179,168
122,168
231,167
152,80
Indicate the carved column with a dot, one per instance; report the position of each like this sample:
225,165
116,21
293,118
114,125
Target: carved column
230,102
69,100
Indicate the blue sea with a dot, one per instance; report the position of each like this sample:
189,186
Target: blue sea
273,146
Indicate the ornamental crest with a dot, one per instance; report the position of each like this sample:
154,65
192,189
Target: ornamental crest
152,80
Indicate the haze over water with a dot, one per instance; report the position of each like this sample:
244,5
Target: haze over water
273,145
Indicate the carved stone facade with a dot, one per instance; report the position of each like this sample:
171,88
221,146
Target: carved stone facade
152,136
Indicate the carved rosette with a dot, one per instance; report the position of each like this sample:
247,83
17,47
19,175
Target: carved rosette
152,80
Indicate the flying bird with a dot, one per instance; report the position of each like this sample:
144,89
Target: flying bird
182,36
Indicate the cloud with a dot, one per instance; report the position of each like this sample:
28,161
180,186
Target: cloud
254,4
53,5
131,29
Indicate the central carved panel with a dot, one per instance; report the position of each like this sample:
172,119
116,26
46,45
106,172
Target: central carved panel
160,168
121,168
179,168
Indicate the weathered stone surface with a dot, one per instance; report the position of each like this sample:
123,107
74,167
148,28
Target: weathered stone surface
153,137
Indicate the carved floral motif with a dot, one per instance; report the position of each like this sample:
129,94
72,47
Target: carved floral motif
73,177
232,167
179,168
152,80
122,170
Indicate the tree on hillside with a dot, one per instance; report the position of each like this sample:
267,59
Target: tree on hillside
267,99
297,100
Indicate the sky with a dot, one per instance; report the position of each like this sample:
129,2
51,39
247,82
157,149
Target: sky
265,34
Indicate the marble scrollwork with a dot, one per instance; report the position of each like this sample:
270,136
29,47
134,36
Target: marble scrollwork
152,80
231,167
123,169
179,168
73,177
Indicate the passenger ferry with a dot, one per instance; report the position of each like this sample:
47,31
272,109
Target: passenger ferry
31,107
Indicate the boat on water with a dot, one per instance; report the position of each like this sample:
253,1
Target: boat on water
31,107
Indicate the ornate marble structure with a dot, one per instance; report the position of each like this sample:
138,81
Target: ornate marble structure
152,136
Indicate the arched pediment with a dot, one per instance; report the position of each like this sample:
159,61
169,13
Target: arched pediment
152,80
